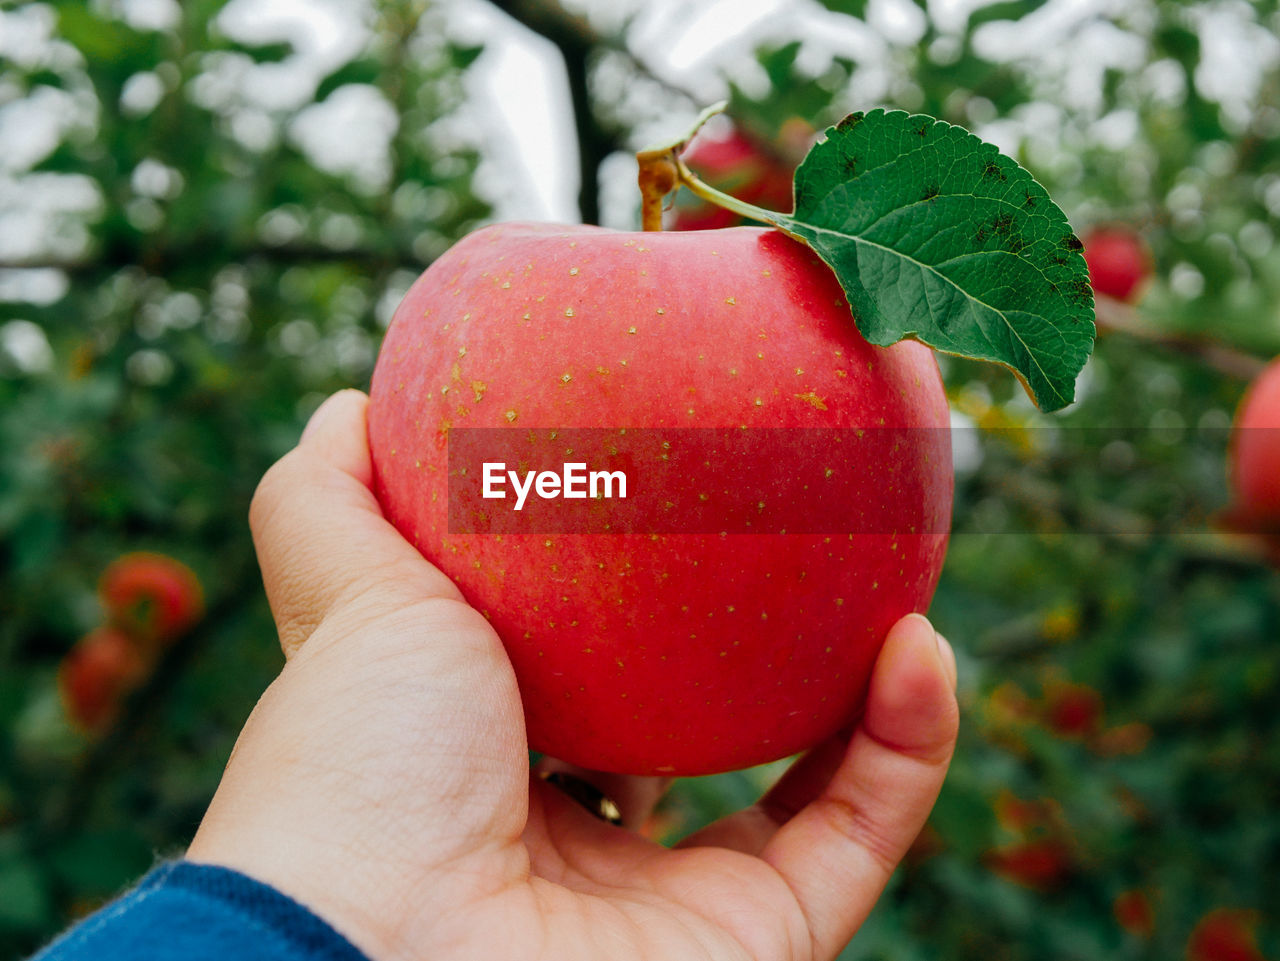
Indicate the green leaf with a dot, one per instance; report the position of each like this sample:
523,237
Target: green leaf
461,57
24,897
98,862
1003,10
265,52
937,236
361,70
101,39
851,8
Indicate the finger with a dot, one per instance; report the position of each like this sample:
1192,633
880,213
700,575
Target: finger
633,797
321,538
750,829
838,852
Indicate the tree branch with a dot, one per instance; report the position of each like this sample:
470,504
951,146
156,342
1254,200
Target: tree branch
1114,316
163,259
575,38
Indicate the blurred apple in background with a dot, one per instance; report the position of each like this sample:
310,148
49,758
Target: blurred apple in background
151,597
1119,262
97,674
1254,461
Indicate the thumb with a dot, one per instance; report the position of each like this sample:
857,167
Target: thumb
325,548
837,853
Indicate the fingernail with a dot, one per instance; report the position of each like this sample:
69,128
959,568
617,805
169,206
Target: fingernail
923,621
948,655
317,419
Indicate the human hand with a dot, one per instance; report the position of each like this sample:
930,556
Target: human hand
382,780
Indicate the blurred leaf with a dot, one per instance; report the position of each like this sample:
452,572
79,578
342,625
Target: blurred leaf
99,863
261,52
462,57
1003,10
363,70
1179,42
102,39
852,8
24,899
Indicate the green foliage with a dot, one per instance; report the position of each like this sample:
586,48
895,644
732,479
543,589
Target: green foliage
936,235
199,276
222,279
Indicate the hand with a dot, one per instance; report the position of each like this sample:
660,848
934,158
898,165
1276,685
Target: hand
383,781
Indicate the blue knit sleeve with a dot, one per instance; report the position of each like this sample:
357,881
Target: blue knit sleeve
198,912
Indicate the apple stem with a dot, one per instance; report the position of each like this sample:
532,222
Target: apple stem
662,171
659,176
721,199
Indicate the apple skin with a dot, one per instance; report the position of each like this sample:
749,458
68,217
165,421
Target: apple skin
662,653
1254,459
737,165
1118,261
154,598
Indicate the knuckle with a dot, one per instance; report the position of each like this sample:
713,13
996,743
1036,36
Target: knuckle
270,493
863,829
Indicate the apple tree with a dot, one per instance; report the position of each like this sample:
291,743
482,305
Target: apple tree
191,257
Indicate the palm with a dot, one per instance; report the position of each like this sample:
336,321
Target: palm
593,885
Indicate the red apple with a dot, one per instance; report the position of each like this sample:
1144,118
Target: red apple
665,652
1118,260
1254,459
737,165
152,597
1133,912
1225,934
1041,864
96,675
1072,710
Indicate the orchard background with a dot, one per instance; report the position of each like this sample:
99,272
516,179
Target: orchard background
190,260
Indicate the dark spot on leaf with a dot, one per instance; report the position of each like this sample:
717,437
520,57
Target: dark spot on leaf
924,129
1002,223
1029,202
851,121
981,236
849,165
1060,260
1016,244
1071,242
1081,292
992,169
930,191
